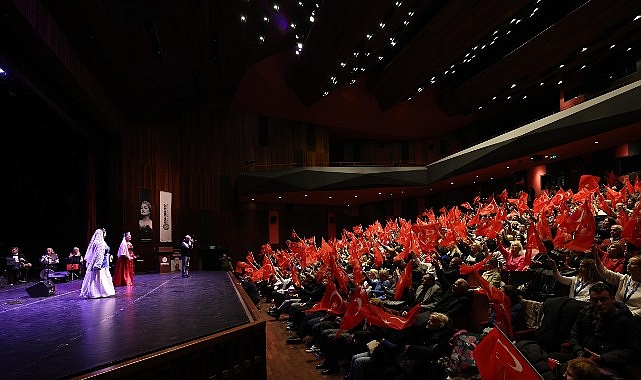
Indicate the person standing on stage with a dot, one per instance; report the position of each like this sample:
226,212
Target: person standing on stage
124,272
185,254
97,282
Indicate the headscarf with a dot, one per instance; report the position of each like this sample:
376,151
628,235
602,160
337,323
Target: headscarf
96,248
123,250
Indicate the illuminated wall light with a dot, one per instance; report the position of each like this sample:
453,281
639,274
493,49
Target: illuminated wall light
380,57
265,18
541,84
325,93
524,97
451,183
406,23
311,18
507,167
398,4
330,197
637,18
381,25
368,36
584,66
628,49
560,82
253,199
509,97
305,195
261,39
410,13
561,66
596,142
343,64
379,193
494,98
612,47
279,197
420,89
480,107
276,7
513,85
584,50
292,26
352,81
355,196
243,18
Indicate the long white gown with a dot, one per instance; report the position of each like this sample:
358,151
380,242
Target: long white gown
97,282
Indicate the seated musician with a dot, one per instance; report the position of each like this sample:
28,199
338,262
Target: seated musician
49,262
17,266
74,262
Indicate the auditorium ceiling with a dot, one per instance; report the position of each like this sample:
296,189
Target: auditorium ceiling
367,69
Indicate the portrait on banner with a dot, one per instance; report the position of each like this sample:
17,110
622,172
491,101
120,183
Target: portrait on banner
145,222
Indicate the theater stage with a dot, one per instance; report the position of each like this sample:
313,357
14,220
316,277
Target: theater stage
63,335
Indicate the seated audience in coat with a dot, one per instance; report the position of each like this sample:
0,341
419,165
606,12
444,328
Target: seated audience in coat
604,332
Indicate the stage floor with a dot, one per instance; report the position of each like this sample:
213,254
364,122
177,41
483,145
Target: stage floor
63,335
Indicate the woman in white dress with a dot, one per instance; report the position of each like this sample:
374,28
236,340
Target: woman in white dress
97,282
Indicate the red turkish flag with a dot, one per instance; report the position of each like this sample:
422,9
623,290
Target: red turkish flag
637,184
465,269
534,244
490,208
380,317
357,310
500,303
405,281
332,301
497,358
543,228
632,229
578,229
267,268
589,182
503,196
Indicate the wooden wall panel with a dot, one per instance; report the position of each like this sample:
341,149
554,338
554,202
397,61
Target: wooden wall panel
188,158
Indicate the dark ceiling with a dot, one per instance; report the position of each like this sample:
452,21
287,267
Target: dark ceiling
372,69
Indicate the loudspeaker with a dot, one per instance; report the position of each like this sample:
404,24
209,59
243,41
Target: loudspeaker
41,289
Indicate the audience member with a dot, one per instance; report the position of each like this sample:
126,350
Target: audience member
579,284
492,272
514,257
627,285
604,332
582,369
614,258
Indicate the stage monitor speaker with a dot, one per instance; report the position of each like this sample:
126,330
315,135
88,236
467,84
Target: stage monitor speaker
41,289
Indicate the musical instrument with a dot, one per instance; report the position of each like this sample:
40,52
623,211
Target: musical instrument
44,274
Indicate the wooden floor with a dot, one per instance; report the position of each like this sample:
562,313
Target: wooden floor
61,335
289,361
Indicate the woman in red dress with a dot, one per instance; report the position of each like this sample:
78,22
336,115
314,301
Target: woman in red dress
124,272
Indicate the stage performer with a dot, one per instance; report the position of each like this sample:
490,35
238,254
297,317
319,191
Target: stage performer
97,282
124,272
185,254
